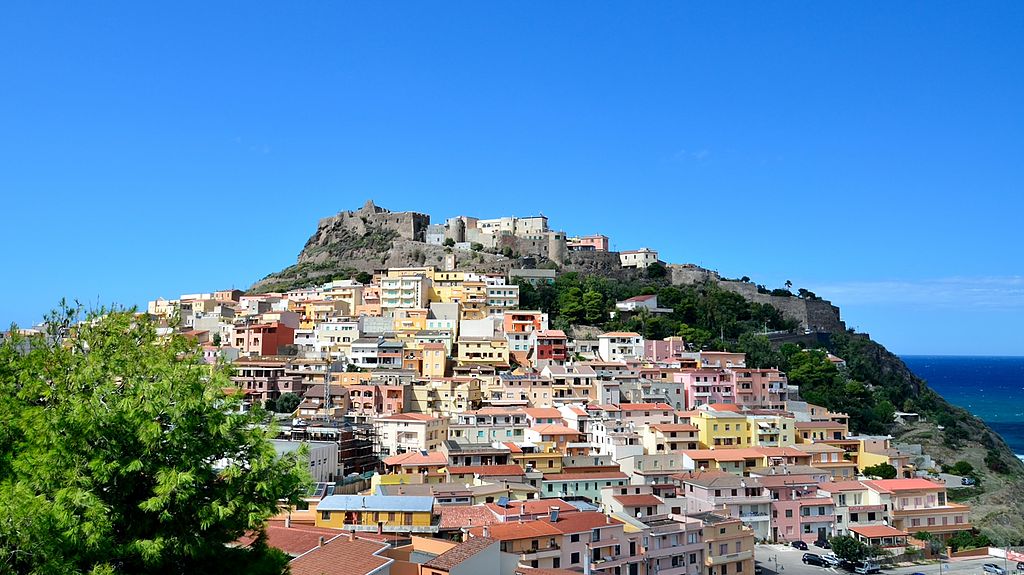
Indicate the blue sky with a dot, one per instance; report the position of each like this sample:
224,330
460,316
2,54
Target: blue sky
873,154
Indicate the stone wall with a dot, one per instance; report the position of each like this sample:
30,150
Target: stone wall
814,314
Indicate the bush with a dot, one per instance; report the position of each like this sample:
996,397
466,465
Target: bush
883,470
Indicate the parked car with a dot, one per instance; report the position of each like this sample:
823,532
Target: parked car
866,567
993,568
800,545
832,560
758,570
823,543
814,559
966,481
1020,566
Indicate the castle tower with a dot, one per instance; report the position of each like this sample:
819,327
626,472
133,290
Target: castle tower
556,247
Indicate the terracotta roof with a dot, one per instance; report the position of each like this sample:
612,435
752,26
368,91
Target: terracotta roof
459,516
531,507
359,557
637,500
543,571
456,555
878,531
837,486
294,540
408,417
641,297
554,429
417,458
487,470
546,412
620,334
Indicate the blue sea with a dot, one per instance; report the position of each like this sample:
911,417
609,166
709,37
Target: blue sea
990,387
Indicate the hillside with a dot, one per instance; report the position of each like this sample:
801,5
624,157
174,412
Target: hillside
709,311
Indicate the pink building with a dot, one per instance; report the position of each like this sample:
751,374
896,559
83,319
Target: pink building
262,339
760,387
798,511
371,400
706,386
594,243
668,349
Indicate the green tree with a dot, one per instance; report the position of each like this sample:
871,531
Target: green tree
216,339
848,549
657,270
476,246
121,453
363,278
449,242
570,305
593,307
882,470
759,350
270,405
288,403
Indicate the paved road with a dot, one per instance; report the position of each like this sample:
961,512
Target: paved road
789,563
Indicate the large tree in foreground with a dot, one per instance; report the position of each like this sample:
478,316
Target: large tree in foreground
121,453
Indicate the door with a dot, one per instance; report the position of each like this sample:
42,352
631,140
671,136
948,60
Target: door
821,534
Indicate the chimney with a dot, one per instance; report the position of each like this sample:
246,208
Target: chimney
321,543
553,513
351,536
288,521
380,528
487,531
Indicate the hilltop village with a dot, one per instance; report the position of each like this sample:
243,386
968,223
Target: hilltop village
450,431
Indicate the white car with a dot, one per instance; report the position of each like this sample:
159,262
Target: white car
993,568
832,559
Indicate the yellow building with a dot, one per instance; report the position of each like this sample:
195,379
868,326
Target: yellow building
729,544
388,513
435,360
721,429
314,312
445,396
407,322
772,430
483,351
544,457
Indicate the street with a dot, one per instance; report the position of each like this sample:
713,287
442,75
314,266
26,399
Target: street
789,562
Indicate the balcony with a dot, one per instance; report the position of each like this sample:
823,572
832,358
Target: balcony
748,517
534,553
729,558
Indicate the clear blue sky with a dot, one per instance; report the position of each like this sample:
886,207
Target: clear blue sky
871,153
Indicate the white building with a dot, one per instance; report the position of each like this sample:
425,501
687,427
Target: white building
406,292
404,432
640,258
620,346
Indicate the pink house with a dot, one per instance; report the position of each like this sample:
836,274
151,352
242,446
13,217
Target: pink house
594,243
798,511
706,386
667,349
760,387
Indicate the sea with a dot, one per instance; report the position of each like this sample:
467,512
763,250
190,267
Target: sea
988,386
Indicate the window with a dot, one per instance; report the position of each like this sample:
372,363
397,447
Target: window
574,558
789,513
325,515
574,538
739,566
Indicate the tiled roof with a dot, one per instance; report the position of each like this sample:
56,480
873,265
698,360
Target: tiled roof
645,407
459,516
456,555
620,334
554,429
670,427
294,540
359,557
417,458
408,417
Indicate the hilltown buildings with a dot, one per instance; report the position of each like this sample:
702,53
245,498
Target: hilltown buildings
433,406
